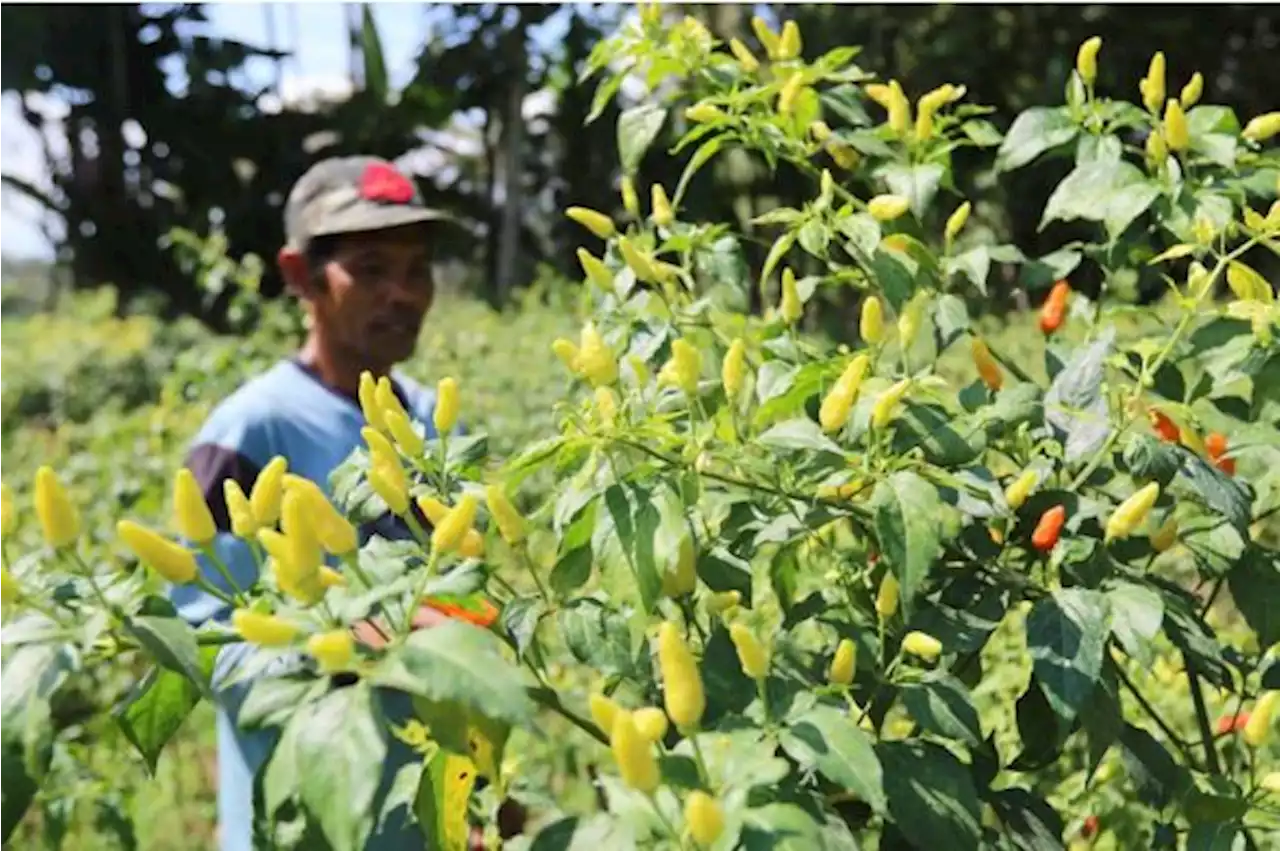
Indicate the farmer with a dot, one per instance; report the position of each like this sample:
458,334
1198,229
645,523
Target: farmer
358,256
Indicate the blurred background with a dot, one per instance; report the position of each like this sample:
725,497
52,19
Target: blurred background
147,149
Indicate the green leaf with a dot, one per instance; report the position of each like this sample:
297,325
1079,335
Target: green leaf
638,126
597,637
951,318
1255,588
982,133
460,662
701,157
814,237
779,250
339,748
974,264
1102,718
1113,192
906,509
1029,821
636,521
1136,616
1214,799
897,276
1066,635
444,793
917,182
571,571
520,619
931,796
1216,489
155,709
585,833
729,691
1153,770
375,66
721,570
1033,132
1043,272
272,701
1213,837
1074,402
830,741
172,644
780,826
798,434
844,100
940,704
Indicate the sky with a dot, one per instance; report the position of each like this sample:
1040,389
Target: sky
319,61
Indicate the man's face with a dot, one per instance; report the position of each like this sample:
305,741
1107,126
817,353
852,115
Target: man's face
369,298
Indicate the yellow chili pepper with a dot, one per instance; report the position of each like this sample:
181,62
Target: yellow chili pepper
789,92
1166,536
1017,492
10,589
595,359
510,523
1257,730
630,201
1176,134
403,432
705,818
389,483
598,223
988,369
472,545
1192,91
744,56
885,208
662,213
733,372
704,113
789,45
263,629
1087,59
791,307
923,645
843,663
887,597
8,517
567,351
751,653
604,710
368,401
191,514
1131,512
885,407
1262,127
239,511
174,562
334,650
1156,148
59,518
633,753
434,509
300,580
651,722
881,93
384,395
684,367
835,409
844,155
871,323
723,601
268,489
682,684
899,109
595,270
298,522
956,221
445,414
334,531
450,531
767,37
606,404
1152,86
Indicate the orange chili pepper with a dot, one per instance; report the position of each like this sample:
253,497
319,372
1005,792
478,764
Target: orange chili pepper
1164,426
1055,307
486,617
1232,723
1049,528
1216,445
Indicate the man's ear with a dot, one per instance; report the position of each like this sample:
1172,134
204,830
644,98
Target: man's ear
295,271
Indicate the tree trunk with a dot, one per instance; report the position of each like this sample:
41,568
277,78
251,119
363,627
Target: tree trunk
512,170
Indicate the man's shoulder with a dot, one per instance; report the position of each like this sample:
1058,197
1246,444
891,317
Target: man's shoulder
245,419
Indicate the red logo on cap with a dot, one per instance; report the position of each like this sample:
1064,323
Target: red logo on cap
381,182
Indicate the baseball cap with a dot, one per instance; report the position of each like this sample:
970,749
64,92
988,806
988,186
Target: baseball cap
352,195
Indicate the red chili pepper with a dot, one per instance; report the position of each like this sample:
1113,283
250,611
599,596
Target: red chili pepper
1090,827
1226,465
1232,723
484,618
1055,307
1215,443
1049,528
1164,426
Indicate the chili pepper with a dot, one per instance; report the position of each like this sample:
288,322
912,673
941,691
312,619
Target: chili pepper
884,408
791,308
789,45
633,753
1131,512
682,684
1163,426
884,208
751,653
956,221
988,369
789,92
1257,730
191,515
334,650
1049,528
871,323
837,404
887,597
923,645
662,213
510,523
705,818
843,663
239,511
1176,134
899,109
171,560
744,56
733,371
1018,491
567,352
595,270
640,262
1192,90
704,113
603,711
1087,59
684,367
1232,723
486,617
445,414
595,359
449,533
651,722
264,629
598,223
1262,127
1166,536
723,601
1152,86
1054,308
767,36
369,402
402,430
606,404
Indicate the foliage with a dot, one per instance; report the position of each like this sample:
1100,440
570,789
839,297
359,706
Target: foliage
832,491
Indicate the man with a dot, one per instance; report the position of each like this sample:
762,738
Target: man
357,255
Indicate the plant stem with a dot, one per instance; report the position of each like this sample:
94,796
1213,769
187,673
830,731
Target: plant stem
698,758
1202,719
236,591
1155,716
427,573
